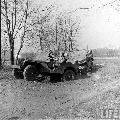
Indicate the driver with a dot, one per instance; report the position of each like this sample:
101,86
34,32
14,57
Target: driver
64,57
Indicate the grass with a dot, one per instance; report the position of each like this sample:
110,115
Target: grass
79,99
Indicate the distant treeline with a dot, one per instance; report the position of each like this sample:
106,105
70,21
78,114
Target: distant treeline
104,52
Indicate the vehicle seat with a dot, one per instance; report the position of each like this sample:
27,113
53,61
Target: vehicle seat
51,64
82,61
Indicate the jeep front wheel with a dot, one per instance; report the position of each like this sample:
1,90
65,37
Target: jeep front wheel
68,75
30,73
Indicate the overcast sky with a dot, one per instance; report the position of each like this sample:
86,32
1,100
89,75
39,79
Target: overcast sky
101,25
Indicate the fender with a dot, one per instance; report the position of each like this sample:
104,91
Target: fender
41,66
73,69
29,62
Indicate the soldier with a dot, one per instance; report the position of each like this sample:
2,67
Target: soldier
52,59
51,55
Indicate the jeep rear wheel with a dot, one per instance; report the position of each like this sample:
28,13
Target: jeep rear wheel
68,75
30,73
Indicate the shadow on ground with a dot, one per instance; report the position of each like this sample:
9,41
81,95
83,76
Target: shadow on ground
96,67
6,74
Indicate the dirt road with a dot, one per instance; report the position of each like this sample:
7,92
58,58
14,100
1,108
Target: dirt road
78,99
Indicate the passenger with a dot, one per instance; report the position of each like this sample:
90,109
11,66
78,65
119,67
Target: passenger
51,56
52,60
64,57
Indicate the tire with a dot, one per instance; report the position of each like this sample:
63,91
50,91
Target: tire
68,75
17,73
30,73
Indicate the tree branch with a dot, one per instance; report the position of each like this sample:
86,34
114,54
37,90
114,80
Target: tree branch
12,24
24,31
5,4
3,14
15,15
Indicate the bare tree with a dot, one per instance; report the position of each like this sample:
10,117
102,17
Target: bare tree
25,17
0,55
65,31
40,25
14,16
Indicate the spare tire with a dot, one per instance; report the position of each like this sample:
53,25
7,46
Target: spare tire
30,73
17,73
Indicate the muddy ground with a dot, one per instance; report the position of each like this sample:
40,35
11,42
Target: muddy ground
81,99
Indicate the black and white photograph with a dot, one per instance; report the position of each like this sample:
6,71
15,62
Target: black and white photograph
60,60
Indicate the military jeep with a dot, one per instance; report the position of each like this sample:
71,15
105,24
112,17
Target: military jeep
65,70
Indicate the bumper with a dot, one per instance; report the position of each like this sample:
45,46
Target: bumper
15,66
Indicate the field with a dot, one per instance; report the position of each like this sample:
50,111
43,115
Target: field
81,99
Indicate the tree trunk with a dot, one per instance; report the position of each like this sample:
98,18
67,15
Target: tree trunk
71,45
21,46
56,34
18,53
12,56
41,43
59,47
65,44
11,49
0,55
